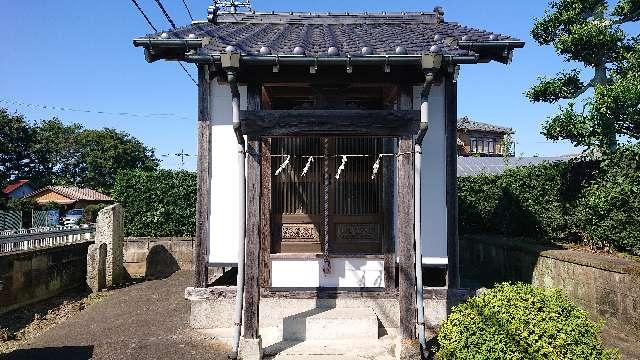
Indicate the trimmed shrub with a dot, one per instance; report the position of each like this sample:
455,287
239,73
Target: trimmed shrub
608,214
159,203
594,202
519,321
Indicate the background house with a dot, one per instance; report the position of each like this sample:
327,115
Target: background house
483,139
17,189
70,197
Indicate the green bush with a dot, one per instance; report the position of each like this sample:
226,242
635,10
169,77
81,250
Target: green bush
518,321
159,203
596,202
608,213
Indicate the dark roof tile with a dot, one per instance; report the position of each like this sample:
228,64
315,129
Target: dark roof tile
316,33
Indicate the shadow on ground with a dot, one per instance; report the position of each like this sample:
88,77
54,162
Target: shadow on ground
53,353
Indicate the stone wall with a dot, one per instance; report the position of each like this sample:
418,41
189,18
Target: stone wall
607,287
153,258
34,275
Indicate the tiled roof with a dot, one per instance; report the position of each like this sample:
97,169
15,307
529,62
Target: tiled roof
75,193
315,34
13,186
467,124
471,165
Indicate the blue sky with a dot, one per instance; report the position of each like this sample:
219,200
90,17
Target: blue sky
78,54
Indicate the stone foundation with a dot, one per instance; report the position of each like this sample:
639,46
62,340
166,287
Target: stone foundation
35,275
213,308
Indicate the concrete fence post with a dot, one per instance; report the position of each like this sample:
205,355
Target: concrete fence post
106,255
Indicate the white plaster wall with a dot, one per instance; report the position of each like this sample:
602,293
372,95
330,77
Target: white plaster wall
225,209
345,273
433,202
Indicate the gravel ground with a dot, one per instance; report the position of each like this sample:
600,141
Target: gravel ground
144,321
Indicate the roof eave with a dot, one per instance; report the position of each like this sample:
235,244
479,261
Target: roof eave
188,50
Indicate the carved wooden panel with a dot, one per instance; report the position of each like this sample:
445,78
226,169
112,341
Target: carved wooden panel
358,232
300,233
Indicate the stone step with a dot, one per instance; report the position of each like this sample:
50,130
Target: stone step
382,349
332,324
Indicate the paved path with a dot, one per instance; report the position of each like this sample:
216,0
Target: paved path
144,321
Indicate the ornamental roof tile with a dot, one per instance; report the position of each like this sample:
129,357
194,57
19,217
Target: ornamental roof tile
381,34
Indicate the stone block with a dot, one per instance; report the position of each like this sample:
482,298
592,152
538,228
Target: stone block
329,324
182,251
250,349
135,251
97,267
110,231
407,349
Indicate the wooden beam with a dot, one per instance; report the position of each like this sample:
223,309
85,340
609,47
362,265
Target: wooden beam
265,213
252,259
388,198
404,231
331,75
330,122
203,203
451,120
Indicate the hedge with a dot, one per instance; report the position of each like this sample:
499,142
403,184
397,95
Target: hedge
597,202
519,321
159,203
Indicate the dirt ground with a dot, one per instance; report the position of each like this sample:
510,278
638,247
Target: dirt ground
143,321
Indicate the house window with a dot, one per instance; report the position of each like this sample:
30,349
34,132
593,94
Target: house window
491,146
474,145
481,145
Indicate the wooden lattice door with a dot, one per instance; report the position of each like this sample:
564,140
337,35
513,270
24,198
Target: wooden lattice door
354,217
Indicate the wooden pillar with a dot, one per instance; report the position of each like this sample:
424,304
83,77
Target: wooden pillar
451,127
404,230
252,251
265,214
388,198
203,203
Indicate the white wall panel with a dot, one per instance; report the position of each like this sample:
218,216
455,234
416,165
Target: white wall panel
346,273
433,202
224,223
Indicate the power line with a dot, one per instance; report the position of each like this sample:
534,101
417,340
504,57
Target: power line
187,7
70,109
187,72
156,30
145,15
166,14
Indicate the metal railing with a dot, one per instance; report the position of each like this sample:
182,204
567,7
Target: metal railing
45,237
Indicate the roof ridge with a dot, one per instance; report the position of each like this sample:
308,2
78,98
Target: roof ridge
329,17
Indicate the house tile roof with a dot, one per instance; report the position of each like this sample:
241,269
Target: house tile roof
471,165
467,124
13,186
334,34
75,193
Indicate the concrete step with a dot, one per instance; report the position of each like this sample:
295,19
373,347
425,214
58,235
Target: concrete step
332,324
382,349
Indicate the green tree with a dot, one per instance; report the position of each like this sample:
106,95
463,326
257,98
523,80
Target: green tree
51,152
98,155
53,145
15,136
590,32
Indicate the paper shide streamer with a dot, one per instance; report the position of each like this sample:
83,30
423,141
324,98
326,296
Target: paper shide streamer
284,165
342,165
376,167
307,166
